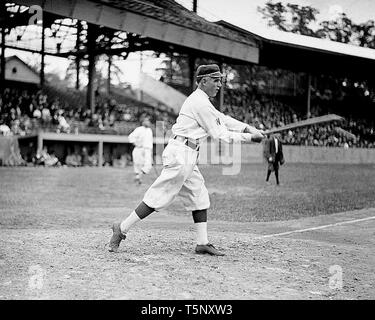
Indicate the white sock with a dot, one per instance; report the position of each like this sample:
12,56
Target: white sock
201,228
128,222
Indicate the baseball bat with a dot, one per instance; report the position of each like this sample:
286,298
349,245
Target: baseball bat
307,122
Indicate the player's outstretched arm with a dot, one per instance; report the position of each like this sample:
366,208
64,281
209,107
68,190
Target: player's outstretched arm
209,119
233,124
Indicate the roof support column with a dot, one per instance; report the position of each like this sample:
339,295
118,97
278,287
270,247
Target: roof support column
78,59
308,114
100,153
91,47
42,65
109,74
2,58
191,71
141,71
195,5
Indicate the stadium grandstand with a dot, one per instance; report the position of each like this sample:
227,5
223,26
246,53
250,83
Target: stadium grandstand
291,78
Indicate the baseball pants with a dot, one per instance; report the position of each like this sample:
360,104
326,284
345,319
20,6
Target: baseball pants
142,160
180,176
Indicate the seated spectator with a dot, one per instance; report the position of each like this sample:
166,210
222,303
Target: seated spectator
16,128
93,158
46,159
85,157
46,115
30,156
94,120
5,130
52,160
37,113
63,126
73,159
121,161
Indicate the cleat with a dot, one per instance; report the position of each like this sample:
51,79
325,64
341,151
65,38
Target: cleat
117,237
208,248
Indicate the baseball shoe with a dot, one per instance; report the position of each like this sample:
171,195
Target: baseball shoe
116,238
208,248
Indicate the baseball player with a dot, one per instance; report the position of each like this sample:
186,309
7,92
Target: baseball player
142,139
180,175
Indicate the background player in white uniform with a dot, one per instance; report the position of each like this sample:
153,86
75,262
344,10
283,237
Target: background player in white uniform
197,120
142,139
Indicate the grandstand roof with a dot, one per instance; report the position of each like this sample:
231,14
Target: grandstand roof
302,53
172,12
292,39
163,20
171,24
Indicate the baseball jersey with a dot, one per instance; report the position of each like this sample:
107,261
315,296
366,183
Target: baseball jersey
142,137
198,119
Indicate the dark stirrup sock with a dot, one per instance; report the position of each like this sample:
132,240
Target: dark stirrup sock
200,216
143,210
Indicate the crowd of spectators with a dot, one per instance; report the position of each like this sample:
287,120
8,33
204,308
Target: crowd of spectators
75,157
24,111
85,157
266,112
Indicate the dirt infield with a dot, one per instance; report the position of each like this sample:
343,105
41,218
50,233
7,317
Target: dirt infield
55,225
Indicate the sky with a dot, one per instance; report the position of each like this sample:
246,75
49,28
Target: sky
242,13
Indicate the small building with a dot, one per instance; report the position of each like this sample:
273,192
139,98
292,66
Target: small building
17,70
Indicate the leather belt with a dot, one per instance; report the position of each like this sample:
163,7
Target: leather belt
188,142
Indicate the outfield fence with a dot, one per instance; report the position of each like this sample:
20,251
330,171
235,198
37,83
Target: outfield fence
213,153
210,152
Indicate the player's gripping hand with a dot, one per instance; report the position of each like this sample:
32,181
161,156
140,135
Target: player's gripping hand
262,132
257,137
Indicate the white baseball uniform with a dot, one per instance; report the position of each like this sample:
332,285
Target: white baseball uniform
197,120
142,138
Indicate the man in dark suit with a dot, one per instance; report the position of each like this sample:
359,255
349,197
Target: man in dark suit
273,153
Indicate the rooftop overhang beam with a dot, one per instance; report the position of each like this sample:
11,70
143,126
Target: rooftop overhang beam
152,28
315,61
54,54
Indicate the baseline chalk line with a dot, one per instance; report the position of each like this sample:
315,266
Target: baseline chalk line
316,228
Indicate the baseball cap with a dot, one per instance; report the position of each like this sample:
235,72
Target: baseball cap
209,70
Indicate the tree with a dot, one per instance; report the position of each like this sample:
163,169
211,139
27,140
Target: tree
301,19
101,72
175,69
365,34
290,17
342,29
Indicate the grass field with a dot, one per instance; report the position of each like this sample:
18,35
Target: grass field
39,194
58,220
